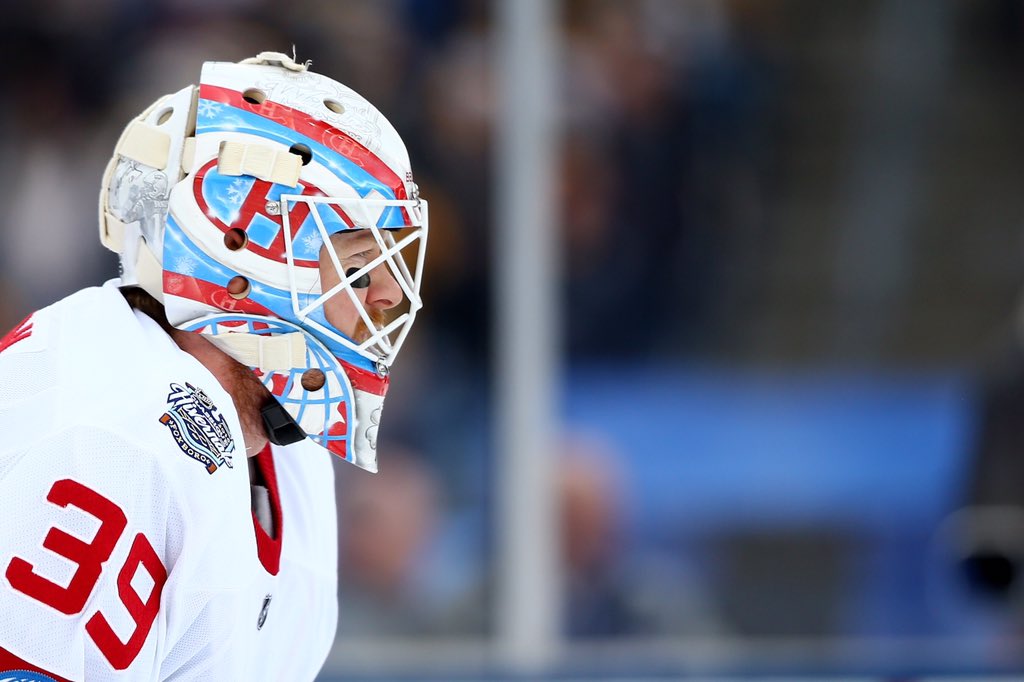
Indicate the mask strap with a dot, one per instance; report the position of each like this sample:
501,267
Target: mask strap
282,429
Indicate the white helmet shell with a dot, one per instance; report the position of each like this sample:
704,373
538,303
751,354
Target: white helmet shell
222,199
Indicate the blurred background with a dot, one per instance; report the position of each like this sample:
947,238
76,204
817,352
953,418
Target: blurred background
789,379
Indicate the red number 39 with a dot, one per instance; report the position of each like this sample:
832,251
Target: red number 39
90,557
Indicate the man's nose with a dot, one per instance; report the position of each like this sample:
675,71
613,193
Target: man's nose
384,292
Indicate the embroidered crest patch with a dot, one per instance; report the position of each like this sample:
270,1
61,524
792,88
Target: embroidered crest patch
198,427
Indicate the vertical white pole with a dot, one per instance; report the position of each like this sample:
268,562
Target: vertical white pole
528,596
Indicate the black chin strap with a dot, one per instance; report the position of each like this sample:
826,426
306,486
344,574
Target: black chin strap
282,429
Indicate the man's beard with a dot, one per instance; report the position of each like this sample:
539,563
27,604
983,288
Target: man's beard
252,395
379,319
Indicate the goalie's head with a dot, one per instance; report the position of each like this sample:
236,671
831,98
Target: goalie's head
273,209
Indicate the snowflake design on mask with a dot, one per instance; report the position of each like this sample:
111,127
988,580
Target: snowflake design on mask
185,266
208,109
236,192
311,243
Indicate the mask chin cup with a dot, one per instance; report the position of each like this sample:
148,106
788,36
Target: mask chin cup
282,429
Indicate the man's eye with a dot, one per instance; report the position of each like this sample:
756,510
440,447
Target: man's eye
360,283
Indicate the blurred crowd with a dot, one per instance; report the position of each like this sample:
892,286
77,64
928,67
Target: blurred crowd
661,101
664,106
674,134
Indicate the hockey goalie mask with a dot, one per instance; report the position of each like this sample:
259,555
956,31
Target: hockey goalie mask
273,209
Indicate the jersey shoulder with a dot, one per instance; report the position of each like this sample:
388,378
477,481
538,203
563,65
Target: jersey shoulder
79,359
120,462
91,360
127,415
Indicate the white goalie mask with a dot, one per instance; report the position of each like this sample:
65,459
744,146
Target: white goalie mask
274,210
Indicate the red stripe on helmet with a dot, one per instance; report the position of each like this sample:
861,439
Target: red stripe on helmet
366,380
211,294
217,296
313,128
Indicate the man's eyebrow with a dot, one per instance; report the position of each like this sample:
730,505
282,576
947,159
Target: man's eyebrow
366,242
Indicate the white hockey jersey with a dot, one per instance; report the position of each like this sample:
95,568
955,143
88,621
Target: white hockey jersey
128,548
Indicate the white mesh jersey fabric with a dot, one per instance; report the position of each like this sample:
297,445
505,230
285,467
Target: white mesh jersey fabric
83,419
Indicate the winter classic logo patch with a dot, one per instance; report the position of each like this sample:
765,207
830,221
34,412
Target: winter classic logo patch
198,427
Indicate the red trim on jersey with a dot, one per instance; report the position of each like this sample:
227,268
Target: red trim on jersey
366,380
303,123
9,663
269,548
19,333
